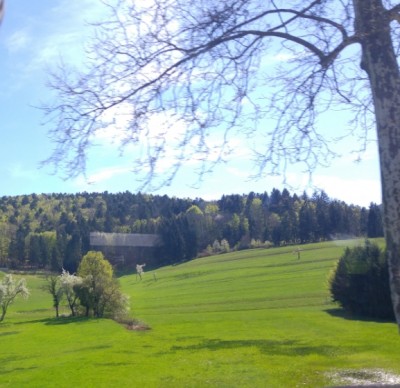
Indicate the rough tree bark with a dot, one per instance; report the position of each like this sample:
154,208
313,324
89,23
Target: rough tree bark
372,23
1,10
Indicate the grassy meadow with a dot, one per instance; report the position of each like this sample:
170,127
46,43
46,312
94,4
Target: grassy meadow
256,318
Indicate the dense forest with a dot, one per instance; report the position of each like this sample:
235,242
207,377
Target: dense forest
52,230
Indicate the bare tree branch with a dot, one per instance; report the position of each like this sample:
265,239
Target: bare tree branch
394,13
196,65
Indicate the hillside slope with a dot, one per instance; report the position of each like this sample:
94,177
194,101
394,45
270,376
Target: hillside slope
257,318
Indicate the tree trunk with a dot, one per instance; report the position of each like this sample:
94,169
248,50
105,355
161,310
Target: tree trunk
3,311
379,61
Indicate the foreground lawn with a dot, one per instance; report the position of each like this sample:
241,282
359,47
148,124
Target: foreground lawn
258,318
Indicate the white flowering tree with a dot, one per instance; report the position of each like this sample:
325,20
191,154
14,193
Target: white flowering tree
225,248
140,270
68,283
9,289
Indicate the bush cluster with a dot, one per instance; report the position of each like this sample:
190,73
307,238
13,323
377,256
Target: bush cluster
360,282
94,291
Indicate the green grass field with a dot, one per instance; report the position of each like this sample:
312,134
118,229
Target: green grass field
257,318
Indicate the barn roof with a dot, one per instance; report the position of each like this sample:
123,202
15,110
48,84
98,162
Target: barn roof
124,239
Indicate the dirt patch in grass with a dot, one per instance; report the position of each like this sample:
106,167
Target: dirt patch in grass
138,327
365,377
132,324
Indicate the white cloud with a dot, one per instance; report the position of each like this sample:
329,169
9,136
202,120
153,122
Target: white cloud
113,179
166,132
18,41
67,15
356,191
18,171
52,33
103,175
283,57
237,172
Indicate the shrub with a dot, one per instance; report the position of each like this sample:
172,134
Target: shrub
225,248
360,282
259,244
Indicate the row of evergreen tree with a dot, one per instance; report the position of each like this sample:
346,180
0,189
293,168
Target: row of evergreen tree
52,230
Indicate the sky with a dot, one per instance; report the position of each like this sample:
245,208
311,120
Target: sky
36,35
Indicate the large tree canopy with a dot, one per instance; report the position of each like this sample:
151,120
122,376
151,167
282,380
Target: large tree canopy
173,73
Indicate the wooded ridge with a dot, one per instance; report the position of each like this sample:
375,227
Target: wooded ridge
53,230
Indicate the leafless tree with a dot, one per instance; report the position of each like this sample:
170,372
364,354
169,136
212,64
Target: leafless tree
207,65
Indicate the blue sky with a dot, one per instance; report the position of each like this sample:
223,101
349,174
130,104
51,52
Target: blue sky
36,34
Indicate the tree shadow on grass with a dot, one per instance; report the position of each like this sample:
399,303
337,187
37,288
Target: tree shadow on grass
66,320
18,369
114,364
270,347
6,364
56,321
9,333
89,348
41,320
342,313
